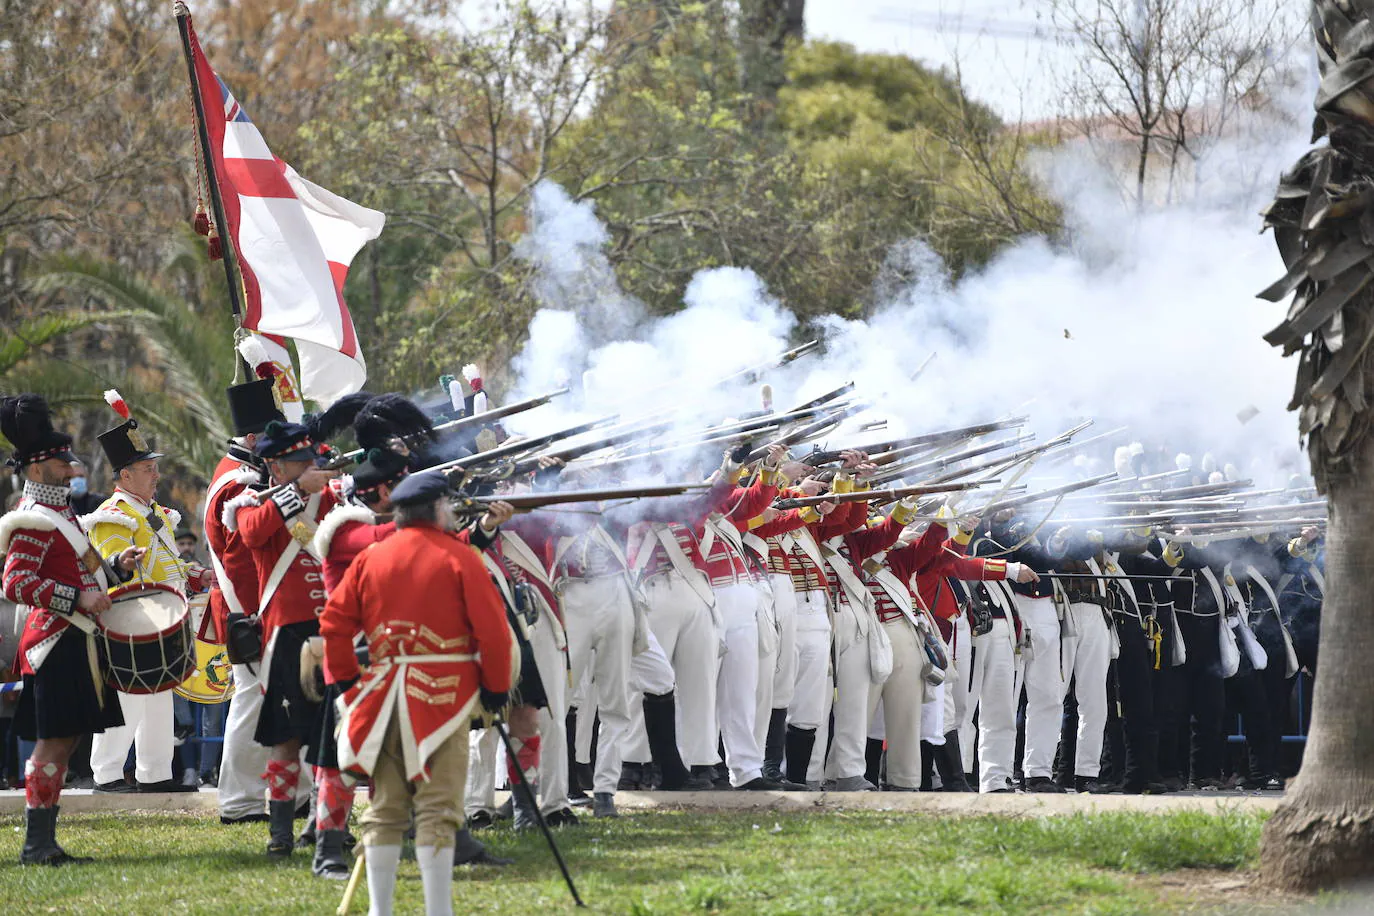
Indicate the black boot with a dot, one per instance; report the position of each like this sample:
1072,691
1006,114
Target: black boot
468,850
660,725
873,757
798,745
40,840
281,826
525,817
330,859
949,761
575,790
928,767
774,746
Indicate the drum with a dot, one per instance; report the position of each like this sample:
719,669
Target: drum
212,681
144,641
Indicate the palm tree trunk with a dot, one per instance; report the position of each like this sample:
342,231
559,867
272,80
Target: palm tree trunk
1323,833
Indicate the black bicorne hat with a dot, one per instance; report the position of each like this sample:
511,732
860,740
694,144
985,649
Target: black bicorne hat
26,422
253,405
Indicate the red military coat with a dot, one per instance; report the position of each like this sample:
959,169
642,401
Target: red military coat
268,529
237,588
43,570
436,630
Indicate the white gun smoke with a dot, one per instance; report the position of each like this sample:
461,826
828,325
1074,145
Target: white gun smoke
1145,319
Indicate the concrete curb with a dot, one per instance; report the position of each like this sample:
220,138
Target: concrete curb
206,801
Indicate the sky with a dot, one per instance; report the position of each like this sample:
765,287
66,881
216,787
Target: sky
1003,48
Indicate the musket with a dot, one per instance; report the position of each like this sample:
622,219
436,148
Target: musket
819,457
1091,440
1058,575
496,413
573,452
827,397
858,496
732,439
810,430
527,502
938,464
1051,493
1205,489
525,445
788,356
1163,475
1226,530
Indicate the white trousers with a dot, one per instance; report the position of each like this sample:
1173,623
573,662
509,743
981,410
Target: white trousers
242,788
148,728
484,754
811,694
553,727
1085,660
785,615
600,619
1044,685
901,703
960,688
768,659
994,683
737,682
683,627
852,688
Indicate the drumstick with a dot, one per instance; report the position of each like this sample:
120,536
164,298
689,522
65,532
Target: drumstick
353,880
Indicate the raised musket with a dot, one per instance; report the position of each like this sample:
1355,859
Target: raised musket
501,452
751,374
488,416
877,496
808,431
819,457
1051,493
827,397
938,464
466,505
573,452
1079,446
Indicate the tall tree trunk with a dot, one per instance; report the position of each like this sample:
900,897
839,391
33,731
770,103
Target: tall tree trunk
1323,833
766,26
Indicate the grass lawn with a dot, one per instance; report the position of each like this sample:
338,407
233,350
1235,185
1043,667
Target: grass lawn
687,862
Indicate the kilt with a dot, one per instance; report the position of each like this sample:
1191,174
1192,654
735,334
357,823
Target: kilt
324,748
62,700
287,714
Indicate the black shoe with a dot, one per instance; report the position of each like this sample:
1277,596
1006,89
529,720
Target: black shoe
798,745
330,859
764,784
166,785
1173,783
468,850
1043,785
504,811
40,840
563,817
696,782
307,839
525,807
480,820
1007,791
585,780
244,819
1088,785
281,829
889,787
117,787
631,777
1148,788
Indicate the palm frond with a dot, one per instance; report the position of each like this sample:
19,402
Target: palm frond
25,339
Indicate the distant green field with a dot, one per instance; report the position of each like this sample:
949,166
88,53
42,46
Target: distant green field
688,862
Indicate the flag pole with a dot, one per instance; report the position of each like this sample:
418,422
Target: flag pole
183,17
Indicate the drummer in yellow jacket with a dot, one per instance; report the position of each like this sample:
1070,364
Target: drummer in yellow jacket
132,517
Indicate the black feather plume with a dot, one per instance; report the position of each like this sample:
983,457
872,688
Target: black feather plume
324,426
389,415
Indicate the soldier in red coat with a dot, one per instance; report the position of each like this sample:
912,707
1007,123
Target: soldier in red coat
278,530
59,580
439,644
241,785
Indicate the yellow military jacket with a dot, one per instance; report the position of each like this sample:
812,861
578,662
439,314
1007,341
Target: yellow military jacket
125,521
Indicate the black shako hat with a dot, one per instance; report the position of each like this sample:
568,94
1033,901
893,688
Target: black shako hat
253,405
26,422
420,489
124,444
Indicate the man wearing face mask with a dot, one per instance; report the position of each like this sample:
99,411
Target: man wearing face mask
83,500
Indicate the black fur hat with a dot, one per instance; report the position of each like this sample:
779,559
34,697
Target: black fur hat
26,422
388,416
